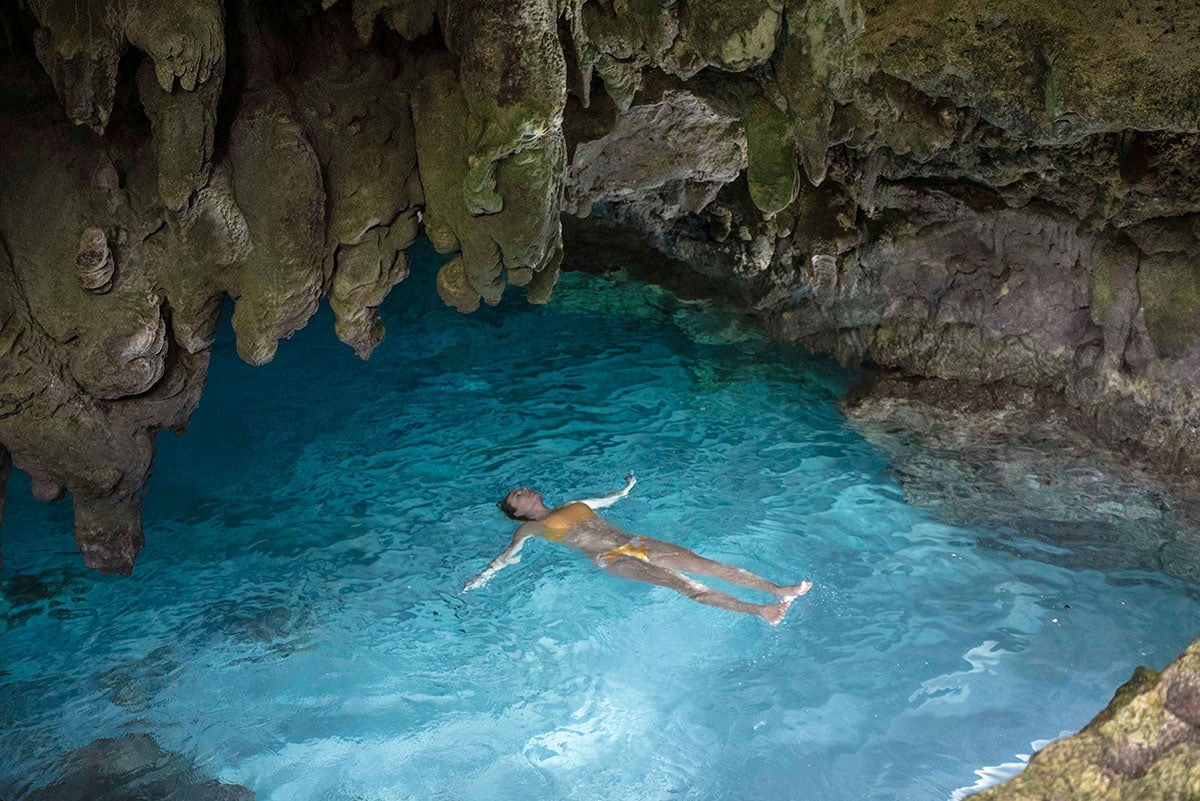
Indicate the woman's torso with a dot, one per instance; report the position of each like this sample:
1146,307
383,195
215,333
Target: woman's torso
577,526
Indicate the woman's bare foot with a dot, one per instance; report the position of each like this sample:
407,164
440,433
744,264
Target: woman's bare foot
773,613
793,592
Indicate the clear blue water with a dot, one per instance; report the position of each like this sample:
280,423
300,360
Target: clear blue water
295,625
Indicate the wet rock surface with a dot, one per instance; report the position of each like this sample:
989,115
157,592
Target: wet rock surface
25,596
1029,466
1024,464
1145,744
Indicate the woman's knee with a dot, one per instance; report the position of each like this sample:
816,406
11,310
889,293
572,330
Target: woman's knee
697,591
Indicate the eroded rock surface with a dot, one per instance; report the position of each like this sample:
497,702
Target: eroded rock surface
986,192
998,459
1145,744
175,154
1003,460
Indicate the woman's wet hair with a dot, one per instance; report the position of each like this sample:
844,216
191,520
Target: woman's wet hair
508,508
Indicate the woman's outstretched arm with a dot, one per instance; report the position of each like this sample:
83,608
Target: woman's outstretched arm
609,500
507,557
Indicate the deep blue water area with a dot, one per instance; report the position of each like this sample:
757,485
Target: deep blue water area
295,623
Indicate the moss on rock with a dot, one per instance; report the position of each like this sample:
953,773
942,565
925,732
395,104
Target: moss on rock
732,36
357,117
771,168
278,187
1135,750
1046,73
525,235
184,124
1169,285
513,81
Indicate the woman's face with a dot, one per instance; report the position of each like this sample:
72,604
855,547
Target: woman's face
525,502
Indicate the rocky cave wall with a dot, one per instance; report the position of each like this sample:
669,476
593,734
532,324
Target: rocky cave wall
976,190
968,190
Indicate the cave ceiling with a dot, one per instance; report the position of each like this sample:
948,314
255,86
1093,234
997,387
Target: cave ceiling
989,191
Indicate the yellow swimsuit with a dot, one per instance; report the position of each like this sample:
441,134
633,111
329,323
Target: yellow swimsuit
562,520
635,548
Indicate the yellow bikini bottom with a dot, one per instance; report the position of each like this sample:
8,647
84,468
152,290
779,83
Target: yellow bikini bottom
632,548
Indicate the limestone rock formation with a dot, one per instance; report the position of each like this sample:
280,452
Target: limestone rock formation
1145,744
969,190
989,192
998,457
94,262
965,190
360,123
512,244
670,157
276,183
269,157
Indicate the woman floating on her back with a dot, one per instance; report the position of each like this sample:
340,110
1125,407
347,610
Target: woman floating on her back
577,526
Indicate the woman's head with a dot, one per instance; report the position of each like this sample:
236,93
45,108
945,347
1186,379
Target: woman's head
524,504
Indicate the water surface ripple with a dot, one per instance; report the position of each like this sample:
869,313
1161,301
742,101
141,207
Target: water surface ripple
295,625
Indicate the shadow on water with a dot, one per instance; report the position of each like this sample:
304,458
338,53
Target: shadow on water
59,593
133,767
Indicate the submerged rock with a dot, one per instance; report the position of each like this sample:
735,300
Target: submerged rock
27,596
136,683
1023,464
133,767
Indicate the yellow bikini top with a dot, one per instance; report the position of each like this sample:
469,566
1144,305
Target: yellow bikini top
561,520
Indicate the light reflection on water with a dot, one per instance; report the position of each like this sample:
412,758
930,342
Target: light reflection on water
295,625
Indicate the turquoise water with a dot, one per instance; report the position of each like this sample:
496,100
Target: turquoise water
295,622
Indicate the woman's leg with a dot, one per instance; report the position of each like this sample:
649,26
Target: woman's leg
639,570
673,557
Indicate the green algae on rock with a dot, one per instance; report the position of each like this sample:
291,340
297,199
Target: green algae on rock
1145,744
771,170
